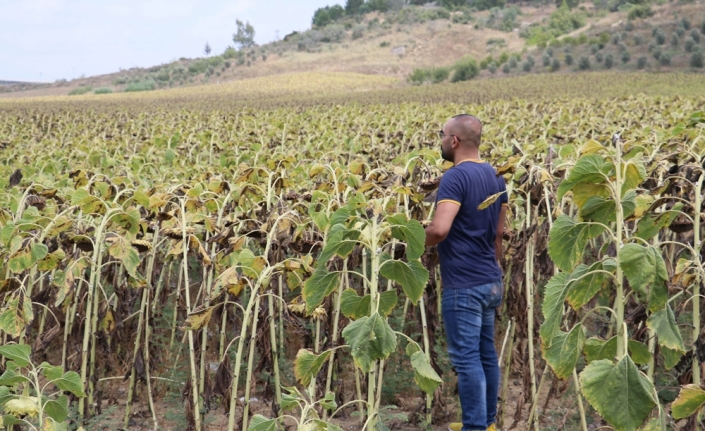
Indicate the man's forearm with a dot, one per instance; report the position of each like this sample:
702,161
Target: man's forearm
433,237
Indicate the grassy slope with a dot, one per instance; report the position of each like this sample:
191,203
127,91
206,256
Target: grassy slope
433,43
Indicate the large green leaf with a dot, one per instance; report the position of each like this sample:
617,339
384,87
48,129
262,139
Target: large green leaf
690,399
646,271
663,322
651,223
341,241
554,295
121,249
71,382
412,276
57,409
353,306
424,374
321,284
409,231
261,423
27,257
568,240
20,353
11,378
307,365
619,392
564,351
588,281
603,210
591,169
370,338
596,349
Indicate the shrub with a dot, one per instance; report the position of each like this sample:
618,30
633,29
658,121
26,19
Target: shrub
696,60
358,31
656,53
594,48
418,76
80,90
637,40
549,52
609,61
197,67
616,39
665,59
598,57
555,65
513,63
629,26
546,60
695,34
503,58
689,44
639,12
584,63
526,66
229,53
333,33
685,23
641,62
215,61
660,38
569,59
680,31
506,69
652,46
622,47
492,68
626,57
702,27
102,90
531,60
147,85
439,74
674,41
465,70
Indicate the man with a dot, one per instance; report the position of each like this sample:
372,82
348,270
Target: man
469,246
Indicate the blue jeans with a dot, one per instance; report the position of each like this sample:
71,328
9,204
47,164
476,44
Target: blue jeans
468,317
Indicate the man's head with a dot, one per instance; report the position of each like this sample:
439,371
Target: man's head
462,134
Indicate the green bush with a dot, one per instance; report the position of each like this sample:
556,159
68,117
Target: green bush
569,59
696,60
665,59
674,40
656,53
419,76
639,12
684,23
680,31
626,57
229,53
629,26
616,39
503,58
513,63
584,63
637,40
80,90
506,69
555,65
546,60
560,22
102,90
197,67
609,61
120,80
526,66
333,33
598,57
439,74
215,61
660,38
492,68
358,31
641,62
702,27
465,70
695,34
147,85
689,44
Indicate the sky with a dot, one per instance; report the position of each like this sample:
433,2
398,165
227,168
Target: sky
46,40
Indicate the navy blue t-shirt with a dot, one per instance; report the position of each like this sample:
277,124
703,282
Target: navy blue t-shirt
467,254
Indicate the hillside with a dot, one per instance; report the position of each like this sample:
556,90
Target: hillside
422,43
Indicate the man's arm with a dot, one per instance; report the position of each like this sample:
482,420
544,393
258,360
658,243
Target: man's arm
500,232
438,230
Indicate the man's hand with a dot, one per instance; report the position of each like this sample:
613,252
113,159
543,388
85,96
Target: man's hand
438,230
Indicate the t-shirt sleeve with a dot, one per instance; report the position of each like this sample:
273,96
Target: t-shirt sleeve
504,198
451,188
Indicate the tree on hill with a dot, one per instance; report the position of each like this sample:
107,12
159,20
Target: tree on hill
352,7
245,36
207,49
326,15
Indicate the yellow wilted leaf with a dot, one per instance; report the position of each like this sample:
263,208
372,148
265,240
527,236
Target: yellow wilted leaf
198,318
297,306
292,265
237,243
22,406
316,169
108,322
490,200
319,313
591,147
355,167
643,203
